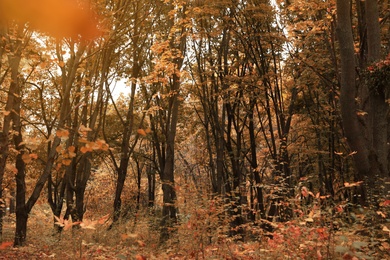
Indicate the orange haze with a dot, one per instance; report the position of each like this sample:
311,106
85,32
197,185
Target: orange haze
59,18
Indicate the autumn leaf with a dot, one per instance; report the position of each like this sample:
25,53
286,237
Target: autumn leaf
141,132
103,219
64,223
62,133
385,203
59,221
61,63
59,18
83,140
5,245
380,213
71,151
354,184
88,224
26,158
140,257
83,130
59,149
85,149
33,156
58,166
66,162
141,243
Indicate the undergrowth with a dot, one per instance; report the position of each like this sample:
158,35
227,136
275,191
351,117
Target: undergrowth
202,232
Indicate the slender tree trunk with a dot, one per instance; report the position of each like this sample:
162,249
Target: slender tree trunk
254,165
151,183
168,178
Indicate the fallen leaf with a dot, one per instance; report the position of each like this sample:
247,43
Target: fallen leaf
5,245
140,257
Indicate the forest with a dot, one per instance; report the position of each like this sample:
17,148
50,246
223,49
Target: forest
193,129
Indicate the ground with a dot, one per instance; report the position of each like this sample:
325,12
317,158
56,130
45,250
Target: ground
196,238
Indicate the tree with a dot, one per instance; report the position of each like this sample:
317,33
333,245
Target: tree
170,50
371,153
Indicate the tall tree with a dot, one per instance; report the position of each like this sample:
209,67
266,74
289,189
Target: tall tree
371,153
170,50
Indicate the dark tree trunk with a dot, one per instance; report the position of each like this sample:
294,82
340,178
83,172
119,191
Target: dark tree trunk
167,177
259,205
21,209
151,182
370,144
122,172
351,124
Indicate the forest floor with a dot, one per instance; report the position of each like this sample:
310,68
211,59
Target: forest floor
139,239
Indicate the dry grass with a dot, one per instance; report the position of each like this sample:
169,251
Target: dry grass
200,235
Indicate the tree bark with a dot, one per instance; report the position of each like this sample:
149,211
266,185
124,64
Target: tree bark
351,124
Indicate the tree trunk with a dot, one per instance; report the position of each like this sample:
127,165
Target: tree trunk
21,209
351,124
371,156
167,178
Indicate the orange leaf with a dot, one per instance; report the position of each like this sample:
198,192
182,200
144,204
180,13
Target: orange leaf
71,149
141,243
124,236
141,132
60,18
33,156
58,149
66,162
5,245
62,133
26,158
103,219
140,257
85,149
